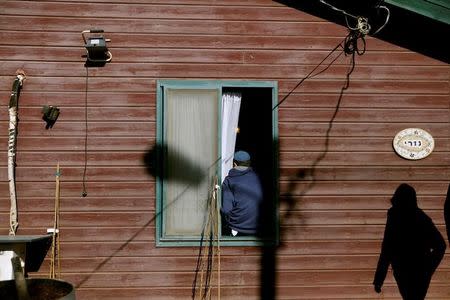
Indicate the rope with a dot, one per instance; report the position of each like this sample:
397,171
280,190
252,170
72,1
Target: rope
55,262
209,253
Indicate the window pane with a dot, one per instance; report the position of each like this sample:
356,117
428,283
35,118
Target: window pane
191,140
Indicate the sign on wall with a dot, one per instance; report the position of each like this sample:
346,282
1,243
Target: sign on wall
413,143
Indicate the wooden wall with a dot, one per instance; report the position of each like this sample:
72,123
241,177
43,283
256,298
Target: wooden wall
332,217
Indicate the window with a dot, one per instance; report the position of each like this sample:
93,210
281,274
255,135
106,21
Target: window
190,135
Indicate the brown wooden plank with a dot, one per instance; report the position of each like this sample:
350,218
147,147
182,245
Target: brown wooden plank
94,99
242,278
229,263
95,129
142,218
336,144
359,202
135,158
230,56
69,173
355,217
359,159
73,189
393,100
250,293
357,130
77,143
362,86
72,204
150,40
304,173
184,2
327,188
131,25
150,11
119,114
144,249
145,84
362,115
232,71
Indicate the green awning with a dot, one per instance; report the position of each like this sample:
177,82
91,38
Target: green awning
435,9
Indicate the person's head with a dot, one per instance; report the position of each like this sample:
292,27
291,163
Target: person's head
404,197
241,158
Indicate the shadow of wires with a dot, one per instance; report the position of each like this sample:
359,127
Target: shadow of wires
292,198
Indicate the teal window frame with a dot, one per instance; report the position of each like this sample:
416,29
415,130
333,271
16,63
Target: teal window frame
161,87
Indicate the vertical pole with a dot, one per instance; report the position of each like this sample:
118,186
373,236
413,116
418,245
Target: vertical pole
217,223
55,261
12,142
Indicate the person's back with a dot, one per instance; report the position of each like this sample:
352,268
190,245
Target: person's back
242,197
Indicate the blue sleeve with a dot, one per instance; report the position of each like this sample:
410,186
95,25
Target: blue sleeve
227,198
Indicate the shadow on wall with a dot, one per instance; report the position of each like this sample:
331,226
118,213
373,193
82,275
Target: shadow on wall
404,28
447,213
412,245
151,163
192,174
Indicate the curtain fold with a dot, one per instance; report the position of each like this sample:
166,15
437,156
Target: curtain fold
231,103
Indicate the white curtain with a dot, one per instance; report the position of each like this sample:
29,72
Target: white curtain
231,103
191,138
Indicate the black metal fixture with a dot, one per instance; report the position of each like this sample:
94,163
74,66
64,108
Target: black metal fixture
50,115
97,53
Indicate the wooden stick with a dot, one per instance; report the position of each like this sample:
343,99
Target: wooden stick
55,257
12,141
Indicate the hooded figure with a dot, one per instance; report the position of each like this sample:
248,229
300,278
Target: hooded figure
412,245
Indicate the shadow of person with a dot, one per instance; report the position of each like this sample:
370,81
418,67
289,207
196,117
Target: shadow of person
412,245
447,213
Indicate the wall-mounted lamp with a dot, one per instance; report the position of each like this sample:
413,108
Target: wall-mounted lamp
50,115
97,54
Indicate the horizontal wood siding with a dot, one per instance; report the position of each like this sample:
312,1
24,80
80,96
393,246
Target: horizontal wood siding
337,171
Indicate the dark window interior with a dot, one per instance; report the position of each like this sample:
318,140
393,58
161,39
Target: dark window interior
256,137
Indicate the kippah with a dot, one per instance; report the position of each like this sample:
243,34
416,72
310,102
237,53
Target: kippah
241,156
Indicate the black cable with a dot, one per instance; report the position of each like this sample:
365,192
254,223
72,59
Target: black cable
310,74
351,43
84,193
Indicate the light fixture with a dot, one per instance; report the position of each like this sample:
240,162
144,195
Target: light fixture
97,53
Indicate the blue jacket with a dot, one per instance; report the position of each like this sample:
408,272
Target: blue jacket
242,197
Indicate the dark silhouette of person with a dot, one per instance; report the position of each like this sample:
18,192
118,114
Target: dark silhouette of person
412,245
447,213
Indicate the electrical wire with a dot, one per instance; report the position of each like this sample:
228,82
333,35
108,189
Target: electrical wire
310,74
388,14
362,22
84,193
338,9
349,46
